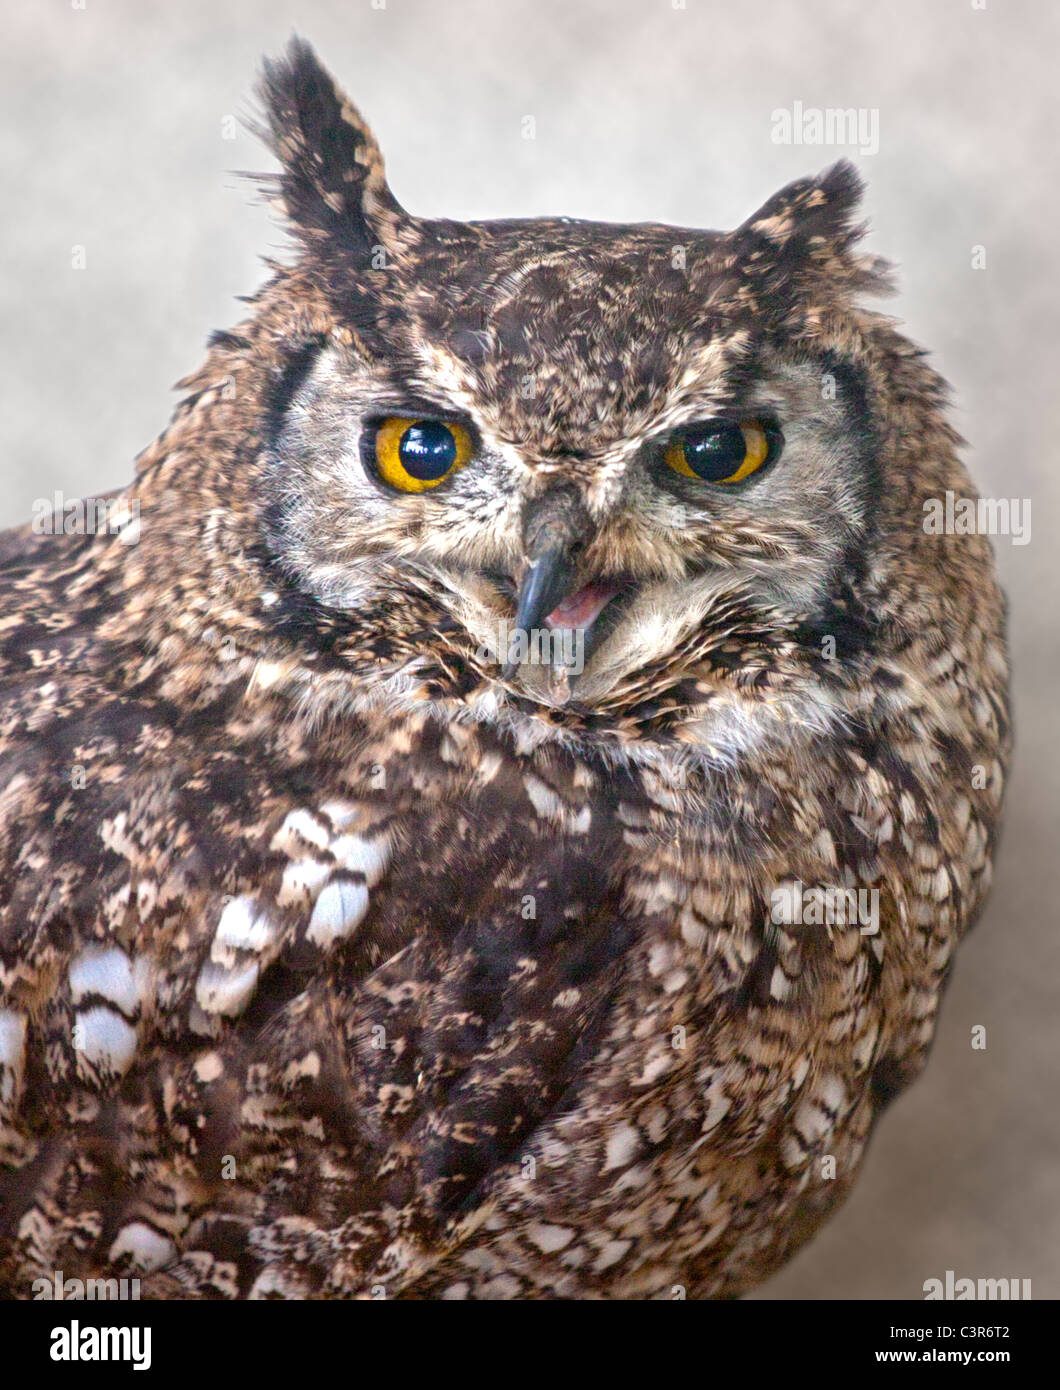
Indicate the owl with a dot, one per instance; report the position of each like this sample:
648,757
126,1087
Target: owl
489,811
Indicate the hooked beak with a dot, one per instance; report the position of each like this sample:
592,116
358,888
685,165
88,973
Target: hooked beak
555,530
547,580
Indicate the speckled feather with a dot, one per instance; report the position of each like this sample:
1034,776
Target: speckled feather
334,964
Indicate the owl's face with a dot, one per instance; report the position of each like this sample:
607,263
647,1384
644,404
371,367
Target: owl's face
610,434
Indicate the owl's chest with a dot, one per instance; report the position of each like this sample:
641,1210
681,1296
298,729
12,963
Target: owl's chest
592,1022
525,902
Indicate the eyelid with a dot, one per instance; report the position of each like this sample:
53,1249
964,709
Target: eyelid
436,414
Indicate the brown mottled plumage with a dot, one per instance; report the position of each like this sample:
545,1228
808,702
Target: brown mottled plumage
337,959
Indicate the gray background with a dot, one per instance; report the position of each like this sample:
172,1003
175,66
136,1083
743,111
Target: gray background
112,129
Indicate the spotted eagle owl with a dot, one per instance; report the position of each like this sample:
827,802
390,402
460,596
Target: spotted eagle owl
496,818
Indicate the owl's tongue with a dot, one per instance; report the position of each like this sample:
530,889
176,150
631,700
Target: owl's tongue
581,609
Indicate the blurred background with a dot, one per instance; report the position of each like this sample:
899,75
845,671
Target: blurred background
121,131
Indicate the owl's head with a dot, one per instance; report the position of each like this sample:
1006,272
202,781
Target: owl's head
606,454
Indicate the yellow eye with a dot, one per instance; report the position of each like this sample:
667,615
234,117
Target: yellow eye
723,451
414,455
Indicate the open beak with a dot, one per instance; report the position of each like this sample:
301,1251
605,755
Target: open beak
546,581
555,531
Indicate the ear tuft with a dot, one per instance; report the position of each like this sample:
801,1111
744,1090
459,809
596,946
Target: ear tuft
807,229
812,208
333,182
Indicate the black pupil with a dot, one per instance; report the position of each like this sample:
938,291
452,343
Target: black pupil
427,450
715,452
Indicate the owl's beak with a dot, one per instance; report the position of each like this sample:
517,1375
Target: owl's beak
547,580
555,530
